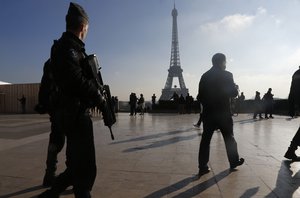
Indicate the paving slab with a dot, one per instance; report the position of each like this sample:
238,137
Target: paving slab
155,155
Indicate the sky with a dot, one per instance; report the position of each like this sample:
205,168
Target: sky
132,40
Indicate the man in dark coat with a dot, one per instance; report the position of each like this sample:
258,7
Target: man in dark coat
294,100
216,87
79,93
132,103
268,101
257,106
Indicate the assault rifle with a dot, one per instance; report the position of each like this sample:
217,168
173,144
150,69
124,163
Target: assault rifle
107,109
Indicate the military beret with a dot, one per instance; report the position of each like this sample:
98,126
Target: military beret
76,11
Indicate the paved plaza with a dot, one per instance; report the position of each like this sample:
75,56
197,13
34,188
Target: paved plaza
155,155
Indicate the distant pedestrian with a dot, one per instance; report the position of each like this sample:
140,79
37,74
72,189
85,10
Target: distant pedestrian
116,104
23,104
175,97
141,104
153,100
181,104
240,102
294,100
268,101
257,106
188,103
216,87
132,103
242,97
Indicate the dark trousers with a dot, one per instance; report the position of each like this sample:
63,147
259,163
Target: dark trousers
81,163
132,109
268,108
210,124
257,113
56,142
200,120
258,108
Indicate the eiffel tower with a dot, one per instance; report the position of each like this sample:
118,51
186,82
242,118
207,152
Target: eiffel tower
175,68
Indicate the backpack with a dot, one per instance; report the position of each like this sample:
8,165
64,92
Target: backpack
48,96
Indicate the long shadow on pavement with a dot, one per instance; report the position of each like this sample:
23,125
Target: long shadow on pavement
162,143
192,191
154,136
31,189
24,191
250,192
287,182
247,121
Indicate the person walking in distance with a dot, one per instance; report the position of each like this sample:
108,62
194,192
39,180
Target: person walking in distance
132,103
23,104
216,87
141,104
78,95
257,106
268,100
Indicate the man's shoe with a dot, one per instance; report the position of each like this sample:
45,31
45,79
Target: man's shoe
238,163
290,154
48,194
203,171
271,117
196,125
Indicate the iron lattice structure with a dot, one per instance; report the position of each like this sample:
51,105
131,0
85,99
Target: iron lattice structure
175,67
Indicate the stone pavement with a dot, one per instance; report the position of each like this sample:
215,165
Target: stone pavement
156,156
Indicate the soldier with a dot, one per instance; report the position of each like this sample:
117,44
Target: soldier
78,95
48,103
216,87
294,100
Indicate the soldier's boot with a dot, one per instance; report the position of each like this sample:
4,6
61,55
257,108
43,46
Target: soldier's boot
51,166
290,153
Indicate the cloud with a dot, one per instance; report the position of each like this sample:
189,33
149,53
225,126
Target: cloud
261,11
232,23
